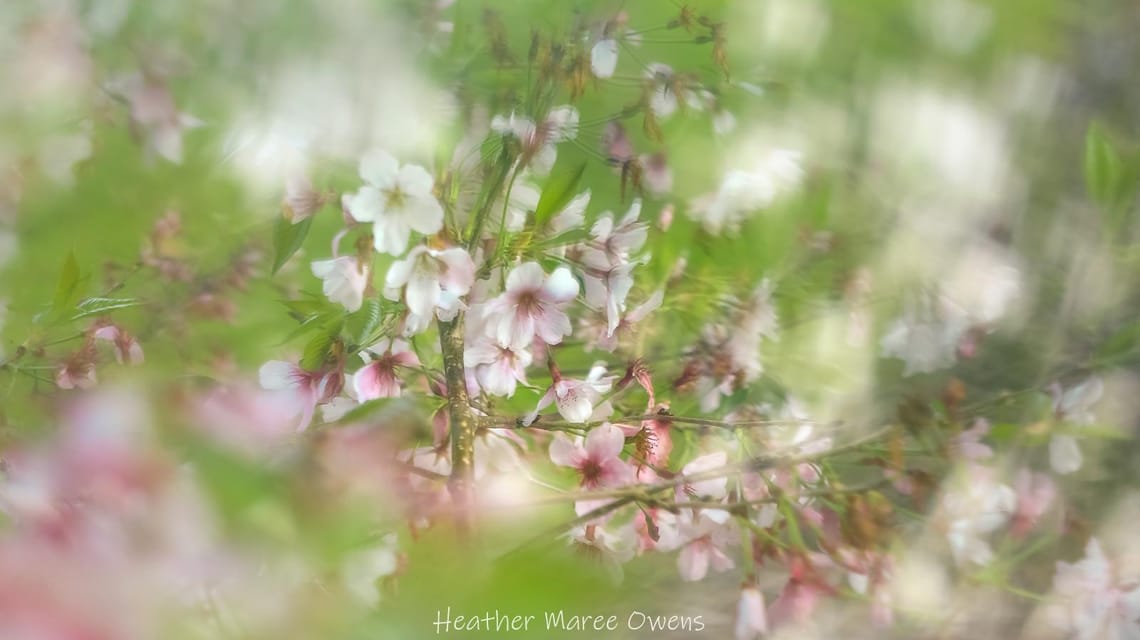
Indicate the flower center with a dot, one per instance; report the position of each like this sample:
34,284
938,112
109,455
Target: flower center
529,303
591,473
394,198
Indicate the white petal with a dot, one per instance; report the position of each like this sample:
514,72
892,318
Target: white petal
277,374
379,168
400,272
1065,454
422,293
603,58
525,277
560,286
365,205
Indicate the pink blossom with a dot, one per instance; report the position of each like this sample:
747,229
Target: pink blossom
711,489
577,400
601,336
155,117
127,349
597,459
302,390
621,239
706,538
751,617
532,306
378,379
969,443
343,280
497,369
801,594
613,546
539,141
606,286
1094,602
1035,494
78,370
1072,406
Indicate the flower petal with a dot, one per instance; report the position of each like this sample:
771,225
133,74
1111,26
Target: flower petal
604,57
379,168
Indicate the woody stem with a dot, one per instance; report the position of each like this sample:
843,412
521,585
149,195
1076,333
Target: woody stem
462,480
461,483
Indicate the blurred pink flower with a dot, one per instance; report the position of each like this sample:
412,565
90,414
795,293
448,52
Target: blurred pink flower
127,348
301,390
343,280
751,617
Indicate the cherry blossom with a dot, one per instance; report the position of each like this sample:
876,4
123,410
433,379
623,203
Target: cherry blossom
1072,406
1095,603
539,141
301,390
77,371
925,337
712,489
801,594
154,116
974,506
1035,494
127,348
613,546
432,282
597,458
745,191
577,400
706,539
498,369
618,240
532,305
378,379
343,280
751,616
301,199
396,199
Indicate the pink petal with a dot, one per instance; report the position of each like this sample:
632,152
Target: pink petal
604,442
373,381
564,453
751,618
693,561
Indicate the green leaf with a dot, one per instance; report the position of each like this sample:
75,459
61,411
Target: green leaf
1102,166
287,238
68,283
317,349
790,515
1118,348
557,194
96,306
370,315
